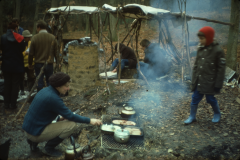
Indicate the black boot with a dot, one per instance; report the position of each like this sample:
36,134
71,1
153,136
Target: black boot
49,148
33,145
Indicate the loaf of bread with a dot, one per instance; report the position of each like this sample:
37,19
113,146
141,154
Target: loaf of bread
124,122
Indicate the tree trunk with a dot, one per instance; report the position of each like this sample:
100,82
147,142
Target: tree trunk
113,21
36,17
18,2
1,18
65,30
54,3
233,36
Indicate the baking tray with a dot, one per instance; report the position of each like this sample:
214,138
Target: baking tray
127,119
108,132
136,128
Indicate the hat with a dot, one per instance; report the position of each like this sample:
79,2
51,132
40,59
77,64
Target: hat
58,79
208,33
26,33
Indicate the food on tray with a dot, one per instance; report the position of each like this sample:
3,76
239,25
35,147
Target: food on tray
134,131
124,122
128,108
128,112
110,128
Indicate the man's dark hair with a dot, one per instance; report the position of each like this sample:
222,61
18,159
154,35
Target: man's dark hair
41,24
145,43
12,25
15,20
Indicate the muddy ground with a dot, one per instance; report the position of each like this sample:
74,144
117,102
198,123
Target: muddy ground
161,110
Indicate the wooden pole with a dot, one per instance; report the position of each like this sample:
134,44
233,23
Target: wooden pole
187,41
135,54
159,35
127,35
35,84
119,57
100,42
110,37
90,25
203,19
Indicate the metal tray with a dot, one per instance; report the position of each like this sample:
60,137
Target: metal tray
136,128
118,118
108,132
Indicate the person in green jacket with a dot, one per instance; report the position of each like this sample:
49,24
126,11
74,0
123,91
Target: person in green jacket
208,73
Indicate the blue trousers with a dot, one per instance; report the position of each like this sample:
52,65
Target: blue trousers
124,62
197,97
48,71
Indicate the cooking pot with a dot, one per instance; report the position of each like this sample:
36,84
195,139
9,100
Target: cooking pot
121,135
73,151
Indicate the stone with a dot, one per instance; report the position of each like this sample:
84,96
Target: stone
114,155
102,152
238,100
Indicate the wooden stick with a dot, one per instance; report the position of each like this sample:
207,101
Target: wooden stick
136,55
127,35
203,19
187,41
35,84
100,42
110,38
120,61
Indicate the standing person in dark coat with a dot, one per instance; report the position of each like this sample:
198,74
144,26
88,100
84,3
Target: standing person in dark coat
45,107
208,74
128,58
156,61
12,46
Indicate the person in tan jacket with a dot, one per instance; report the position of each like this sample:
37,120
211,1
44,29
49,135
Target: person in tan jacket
43,47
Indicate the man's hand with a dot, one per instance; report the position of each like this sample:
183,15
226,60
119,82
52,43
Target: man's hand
95,122
30,66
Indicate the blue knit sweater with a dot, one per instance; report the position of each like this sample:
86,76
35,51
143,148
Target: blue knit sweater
45,107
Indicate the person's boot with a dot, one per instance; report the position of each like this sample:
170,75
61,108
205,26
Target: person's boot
217,114
49,148
192,117
33,145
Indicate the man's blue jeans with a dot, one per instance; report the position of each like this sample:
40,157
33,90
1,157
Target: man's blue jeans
197,97
124,62
48,71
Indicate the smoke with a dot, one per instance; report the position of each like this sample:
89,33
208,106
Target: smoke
216,10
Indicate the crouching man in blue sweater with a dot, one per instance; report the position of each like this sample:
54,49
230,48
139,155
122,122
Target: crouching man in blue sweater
45,107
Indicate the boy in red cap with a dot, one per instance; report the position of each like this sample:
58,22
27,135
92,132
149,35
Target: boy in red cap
208,73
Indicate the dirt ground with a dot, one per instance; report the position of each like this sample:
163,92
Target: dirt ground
160,108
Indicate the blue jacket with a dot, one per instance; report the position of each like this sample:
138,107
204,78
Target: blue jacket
20,30
45,107
12,57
